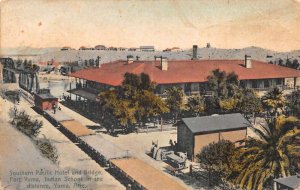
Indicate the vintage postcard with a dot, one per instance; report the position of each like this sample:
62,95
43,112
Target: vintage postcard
149,95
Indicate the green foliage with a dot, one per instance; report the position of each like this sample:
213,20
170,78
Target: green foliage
23,122
133,102
227,93
288,63
31,128
293,103
280,62
195,105
228,105
217,83
116,110
219,157
222,84
174,101
295,64
249,103
150,105
274,101
47,149
274,154
211,105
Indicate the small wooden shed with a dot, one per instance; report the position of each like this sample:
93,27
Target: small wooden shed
44,100
195,133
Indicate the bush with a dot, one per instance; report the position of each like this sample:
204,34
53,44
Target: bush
22,122
219,158
47,149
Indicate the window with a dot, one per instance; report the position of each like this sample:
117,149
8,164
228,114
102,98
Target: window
187,87
266,84
278,81
254,84
242,84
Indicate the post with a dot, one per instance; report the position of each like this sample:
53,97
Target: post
70,90
191,170
275,185
161,123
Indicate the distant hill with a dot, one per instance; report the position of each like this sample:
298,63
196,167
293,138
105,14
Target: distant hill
26,51
47,54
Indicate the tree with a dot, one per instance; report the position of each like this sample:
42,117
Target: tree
133,102
275,153
293,103
174,101
219,158
211,105
222,84
217,83
226,90
109,102
250,103
295,64
232,84
150,106
274,101
280,62
91,62
116,111
228,105
288,63
195,105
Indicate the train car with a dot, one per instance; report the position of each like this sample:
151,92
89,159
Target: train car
101,149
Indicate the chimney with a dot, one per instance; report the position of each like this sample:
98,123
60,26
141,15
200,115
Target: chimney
129,59
98,64
195,49
157,57
164,63
248,63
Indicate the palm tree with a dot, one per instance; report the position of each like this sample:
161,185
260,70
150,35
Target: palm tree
274,101
274,154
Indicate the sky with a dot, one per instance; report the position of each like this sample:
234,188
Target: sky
271,24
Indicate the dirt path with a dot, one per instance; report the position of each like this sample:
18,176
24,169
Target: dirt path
19,153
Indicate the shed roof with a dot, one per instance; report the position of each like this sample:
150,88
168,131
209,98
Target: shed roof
76,128
146,175
83,93
106,148
207,124
291,181
46,96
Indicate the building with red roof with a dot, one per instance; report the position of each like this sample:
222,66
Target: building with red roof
190,75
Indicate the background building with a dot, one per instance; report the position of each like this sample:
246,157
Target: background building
147,48
190,75
100,47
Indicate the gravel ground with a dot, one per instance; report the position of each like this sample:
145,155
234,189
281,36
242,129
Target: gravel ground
19,153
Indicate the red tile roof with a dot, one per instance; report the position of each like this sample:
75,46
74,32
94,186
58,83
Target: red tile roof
183,71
